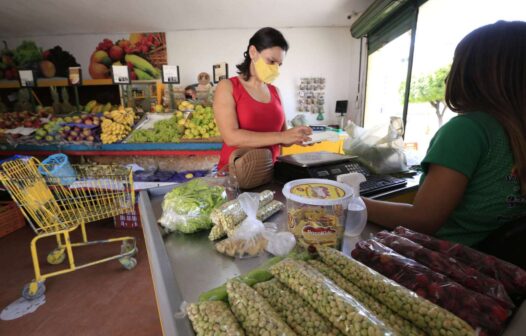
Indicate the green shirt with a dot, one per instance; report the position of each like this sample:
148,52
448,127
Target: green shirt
476,145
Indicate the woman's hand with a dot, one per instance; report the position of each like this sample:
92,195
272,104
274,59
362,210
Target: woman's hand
296,136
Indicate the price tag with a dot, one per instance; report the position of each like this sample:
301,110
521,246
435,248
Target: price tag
120,74
170,74
27,78
75,76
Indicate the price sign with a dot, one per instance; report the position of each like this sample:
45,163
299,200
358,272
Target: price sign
27,78
120,74
170,74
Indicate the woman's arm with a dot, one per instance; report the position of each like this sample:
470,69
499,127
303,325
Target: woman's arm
226,119
437,197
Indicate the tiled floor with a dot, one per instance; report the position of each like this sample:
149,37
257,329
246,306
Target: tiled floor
104,299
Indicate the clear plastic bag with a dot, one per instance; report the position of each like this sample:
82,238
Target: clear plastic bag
480,311
381,148
512,277
438,262
251,237
431,318
213,318
329,300
188,206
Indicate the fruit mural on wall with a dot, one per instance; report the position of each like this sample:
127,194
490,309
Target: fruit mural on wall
49,63
143,53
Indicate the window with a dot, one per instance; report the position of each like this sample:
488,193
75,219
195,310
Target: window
441,24
386,70
435,43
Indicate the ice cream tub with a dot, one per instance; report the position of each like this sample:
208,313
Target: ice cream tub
316,210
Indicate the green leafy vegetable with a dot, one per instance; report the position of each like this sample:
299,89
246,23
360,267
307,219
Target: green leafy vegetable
27,53
187,207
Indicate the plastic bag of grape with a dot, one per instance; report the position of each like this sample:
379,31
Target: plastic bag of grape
479,311
465,275
512,277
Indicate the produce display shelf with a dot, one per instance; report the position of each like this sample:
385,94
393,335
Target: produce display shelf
183,266
121,149
59,81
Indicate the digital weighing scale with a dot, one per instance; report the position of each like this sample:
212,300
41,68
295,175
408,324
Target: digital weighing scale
329,165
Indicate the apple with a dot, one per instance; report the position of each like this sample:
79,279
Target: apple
73,134
116,53
90,138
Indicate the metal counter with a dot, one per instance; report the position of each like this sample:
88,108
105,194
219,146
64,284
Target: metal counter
183,266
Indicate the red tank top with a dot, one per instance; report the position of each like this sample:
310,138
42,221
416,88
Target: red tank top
254,116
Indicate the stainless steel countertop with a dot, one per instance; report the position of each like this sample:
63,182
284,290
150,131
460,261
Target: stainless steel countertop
184,266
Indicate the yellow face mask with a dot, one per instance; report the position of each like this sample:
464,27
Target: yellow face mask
266,73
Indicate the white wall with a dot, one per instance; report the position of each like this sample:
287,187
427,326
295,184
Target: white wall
313,52
328,52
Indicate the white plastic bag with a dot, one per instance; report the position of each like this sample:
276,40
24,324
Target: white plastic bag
381,148
251,237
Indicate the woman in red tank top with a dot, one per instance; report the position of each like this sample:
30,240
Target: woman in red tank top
248,109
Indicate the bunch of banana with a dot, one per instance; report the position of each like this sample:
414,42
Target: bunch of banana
142,68
116,125
123,116
113,131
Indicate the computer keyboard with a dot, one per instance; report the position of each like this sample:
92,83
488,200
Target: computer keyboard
357,168
376,184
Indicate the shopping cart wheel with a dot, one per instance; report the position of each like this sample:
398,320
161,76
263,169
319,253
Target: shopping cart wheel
33,290
56,256
128,262
127,247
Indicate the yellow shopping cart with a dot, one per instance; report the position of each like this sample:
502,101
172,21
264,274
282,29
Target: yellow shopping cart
57,198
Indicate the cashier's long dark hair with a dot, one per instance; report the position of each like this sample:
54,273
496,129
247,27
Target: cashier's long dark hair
488,74
263,39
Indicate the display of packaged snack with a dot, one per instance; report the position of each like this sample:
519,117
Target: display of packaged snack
253,312
441,263
480,311
329,300
219,217
316,210
419,311
227,216
297,313
213,318
389,317
242,248
512,277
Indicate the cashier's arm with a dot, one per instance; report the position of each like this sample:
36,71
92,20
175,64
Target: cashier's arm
226,118
437,197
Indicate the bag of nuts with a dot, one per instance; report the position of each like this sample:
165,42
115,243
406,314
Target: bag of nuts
213,318
251,238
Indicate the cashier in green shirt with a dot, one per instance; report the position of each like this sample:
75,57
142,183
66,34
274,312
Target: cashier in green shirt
474,179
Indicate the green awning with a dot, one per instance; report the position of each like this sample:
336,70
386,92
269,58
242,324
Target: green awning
385,20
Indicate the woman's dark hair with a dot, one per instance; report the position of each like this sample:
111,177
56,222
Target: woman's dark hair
488,74
263,39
